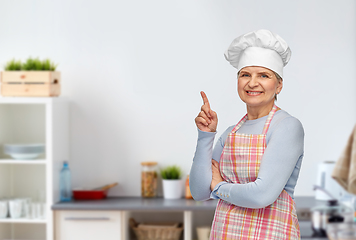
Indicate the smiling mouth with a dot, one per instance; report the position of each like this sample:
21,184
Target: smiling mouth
253,93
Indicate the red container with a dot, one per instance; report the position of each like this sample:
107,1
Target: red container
89,194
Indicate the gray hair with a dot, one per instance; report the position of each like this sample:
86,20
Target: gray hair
279,80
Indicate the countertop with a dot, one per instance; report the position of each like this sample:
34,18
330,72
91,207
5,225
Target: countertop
156,204
137,203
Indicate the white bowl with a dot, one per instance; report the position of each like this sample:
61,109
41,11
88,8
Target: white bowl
24,151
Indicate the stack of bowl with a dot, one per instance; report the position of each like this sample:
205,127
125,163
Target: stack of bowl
24,151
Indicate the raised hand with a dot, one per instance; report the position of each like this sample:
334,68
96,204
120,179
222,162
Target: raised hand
207,119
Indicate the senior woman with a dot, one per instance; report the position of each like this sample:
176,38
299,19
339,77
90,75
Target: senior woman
255,164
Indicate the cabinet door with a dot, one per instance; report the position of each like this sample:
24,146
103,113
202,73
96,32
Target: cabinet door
88,225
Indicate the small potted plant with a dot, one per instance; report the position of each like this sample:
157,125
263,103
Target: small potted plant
33,78
172,182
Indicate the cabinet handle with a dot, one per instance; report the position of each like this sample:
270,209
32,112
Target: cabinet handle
87,219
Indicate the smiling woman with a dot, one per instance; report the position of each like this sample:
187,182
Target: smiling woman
255,164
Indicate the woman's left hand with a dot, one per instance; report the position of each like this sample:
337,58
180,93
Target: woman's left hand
216,174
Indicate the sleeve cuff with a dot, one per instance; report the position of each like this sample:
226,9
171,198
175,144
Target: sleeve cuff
202,134
215,194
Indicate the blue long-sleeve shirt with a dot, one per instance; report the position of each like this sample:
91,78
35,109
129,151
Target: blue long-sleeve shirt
279,169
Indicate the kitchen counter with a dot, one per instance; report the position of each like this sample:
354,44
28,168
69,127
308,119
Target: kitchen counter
303,205
156,204
137,203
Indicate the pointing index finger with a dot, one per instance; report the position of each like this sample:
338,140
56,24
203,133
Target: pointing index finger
205,99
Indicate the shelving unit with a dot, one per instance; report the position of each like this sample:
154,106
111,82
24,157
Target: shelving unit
26,121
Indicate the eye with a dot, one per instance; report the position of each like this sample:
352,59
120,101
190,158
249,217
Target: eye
244,75
264,76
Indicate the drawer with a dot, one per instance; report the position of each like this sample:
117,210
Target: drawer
88,225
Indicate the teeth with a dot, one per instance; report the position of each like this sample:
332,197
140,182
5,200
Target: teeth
255,93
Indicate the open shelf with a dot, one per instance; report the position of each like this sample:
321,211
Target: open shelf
32,120
23,181
29,162
23,230
23,220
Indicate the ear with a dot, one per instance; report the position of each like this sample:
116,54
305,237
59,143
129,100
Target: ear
279,86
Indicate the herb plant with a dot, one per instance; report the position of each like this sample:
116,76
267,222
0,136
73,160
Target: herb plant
171,172
47,64
31,64
13,65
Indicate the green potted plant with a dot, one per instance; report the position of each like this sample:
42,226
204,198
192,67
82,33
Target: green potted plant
172,182
32,78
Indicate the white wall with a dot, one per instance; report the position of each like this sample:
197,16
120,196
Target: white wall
133,71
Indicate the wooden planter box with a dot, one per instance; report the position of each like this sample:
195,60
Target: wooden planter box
30,83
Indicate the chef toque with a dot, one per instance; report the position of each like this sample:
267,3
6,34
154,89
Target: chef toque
259,48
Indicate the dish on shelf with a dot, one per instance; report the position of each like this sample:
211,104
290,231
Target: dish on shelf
89,194
92,194
24,151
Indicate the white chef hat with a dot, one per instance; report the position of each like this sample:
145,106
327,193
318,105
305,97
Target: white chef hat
259,48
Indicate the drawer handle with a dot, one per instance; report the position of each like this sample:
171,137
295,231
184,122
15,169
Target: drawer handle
87,219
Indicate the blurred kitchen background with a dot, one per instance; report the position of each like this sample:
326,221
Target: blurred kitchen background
132,72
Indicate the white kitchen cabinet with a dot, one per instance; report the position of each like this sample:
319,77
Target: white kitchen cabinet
26,121
88,225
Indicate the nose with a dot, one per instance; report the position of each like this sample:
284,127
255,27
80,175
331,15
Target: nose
253,82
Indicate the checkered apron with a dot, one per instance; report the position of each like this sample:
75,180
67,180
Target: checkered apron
239,163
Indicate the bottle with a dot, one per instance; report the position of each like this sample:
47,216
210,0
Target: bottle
65,184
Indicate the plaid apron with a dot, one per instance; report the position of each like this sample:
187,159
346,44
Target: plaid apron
239,163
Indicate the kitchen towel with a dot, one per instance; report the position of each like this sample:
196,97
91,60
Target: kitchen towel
344,171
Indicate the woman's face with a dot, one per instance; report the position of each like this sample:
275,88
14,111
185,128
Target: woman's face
257,86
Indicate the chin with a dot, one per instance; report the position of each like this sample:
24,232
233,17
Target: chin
258,104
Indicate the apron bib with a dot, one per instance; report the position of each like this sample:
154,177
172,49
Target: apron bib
240,163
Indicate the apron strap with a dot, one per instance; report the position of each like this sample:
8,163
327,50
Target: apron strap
239,124
267,123
269,119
